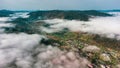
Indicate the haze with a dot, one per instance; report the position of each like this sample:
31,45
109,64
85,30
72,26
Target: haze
59,4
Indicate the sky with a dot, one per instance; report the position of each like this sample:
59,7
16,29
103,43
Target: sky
59,4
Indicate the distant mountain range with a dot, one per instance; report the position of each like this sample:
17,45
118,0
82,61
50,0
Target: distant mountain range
109,10
5,13
70,15
61,14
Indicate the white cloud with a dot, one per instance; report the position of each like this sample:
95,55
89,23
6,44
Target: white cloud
24,51
3,24
19,14
52,57
6,25
4,19
105,26
17,48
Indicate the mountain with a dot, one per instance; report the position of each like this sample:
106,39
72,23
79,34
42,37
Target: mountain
70,15
5,13
110,10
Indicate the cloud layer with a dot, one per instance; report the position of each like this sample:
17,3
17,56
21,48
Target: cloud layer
104,26
24,51
17,48
3,24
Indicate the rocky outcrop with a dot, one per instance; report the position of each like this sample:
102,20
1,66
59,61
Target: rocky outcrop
91,48
105,57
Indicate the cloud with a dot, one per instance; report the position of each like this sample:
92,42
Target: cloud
104,26
3,24
24,51
52,57
17,48
4,19
19,15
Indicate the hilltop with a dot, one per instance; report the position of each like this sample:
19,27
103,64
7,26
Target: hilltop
5,13
70,15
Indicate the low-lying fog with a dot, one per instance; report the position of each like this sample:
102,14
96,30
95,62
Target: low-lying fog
104,26
26,51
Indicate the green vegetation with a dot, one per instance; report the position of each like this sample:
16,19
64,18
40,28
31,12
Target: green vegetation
91,39
70,41
5,13
21,25
70,15
77,41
